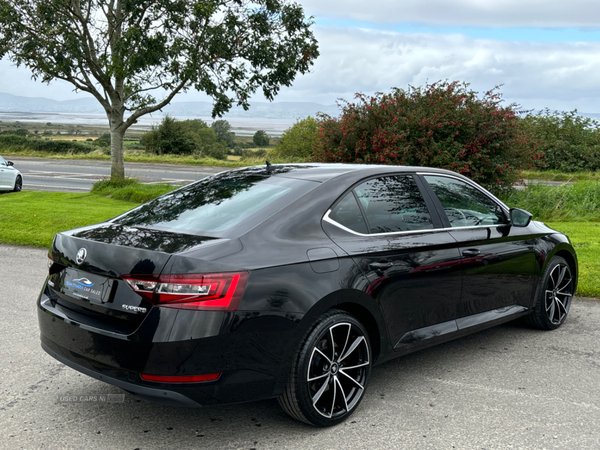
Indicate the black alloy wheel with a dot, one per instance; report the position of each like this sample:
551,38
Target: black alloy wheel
330,372
18,184
556,293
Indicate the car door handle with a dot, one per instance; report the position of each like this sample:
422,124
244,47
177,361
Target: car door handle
381,266
471,252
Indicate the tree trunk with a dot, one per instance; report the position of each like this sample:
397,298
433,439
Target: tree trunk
117,133
117,168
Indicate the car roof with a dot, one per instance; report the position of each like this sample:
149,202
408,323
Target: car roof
322,172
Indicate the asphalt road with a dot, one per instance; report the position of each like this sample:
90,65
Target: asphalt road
508,387
62,175
78,176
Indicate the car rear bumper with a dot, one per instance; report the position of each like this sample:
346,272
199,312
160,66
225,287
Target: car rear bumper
172,342
158,395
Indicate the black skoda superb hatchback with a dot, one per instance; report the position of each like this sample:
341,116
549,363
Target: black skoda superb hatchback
292,281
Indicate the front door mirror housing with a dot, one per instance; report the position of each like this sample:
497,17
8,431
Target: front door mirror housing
519,217
10,163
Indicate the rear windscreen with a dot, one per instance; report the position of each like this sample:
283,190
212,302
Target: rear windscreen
217,203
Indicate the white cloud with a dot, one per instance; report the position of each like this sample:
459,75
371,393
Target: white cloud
561,76
477,13
536,75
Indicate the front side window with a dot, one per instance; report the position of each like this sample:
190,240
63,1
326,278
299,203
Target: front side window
393,204
465,205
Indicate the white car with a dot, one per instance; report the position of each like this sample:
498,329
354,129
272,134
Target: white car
10,178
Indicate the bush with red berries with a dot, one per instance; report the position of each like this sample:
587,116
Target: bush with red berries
444,125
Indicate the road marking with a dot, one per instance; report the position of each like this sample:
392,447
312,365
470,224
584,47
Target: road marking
28,185
58,178
167,181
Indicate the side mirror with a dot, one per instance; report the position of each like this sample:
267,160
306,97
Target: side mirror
519,217
9,163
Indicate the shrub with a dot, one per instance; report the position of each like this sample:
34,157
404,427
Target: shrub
104,140
440,125
184,137
300,140
169,138
17,132
261,138
567,141
237,150
218,150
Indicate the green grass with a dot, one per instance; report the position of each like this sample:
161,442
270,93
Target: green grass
33,218
586,240
130,190
576,203
554,175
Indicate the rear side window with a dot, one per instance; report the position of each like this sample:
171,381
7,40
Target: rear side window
393,204
384,205
348,213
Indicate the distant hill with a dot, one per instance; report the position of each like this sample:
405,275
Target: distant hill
258,110
15,103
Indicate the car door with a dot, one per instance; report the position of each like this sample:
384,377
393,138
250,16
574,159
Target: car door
412,266
3,174
499,263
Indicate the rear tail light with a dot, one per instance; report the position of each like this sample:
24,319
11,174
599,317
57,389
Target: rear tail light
221,291
183,379
53,266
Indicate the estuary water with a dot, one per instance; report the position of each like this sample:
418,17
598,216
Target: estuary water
241,126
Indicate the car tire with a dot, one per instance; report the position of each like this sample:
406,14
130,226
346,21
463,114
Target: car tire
330,371
555,295
18,184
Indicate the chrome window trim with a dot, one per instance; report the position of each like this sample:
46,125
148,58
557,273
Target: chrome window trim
328,219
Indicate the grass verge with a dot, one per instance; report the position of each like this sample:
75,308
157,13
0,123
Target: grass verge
577,203
33,218
140,157
554,175
130,190
586,240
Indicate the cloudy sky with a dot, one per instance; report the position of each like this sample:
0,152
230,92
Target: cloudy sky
545,53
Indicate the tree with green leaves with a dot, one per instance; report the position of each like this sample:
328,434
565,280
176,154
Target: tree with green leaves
135,56
300,140
566,141
261,138
224,133
168,138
